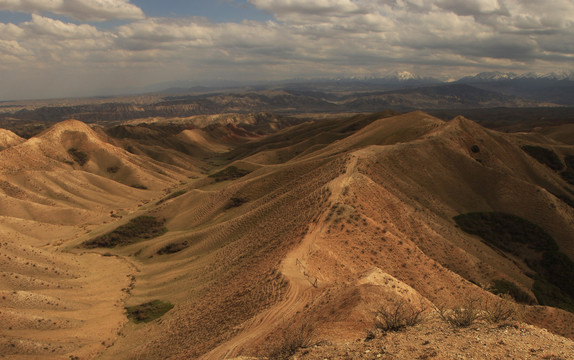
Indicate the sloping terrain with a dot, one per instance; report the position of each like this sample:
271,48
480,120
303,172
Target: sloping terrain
311,229
56,187
8,139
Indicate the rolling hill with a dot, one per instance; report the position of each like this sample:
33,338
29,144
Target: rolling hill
311,230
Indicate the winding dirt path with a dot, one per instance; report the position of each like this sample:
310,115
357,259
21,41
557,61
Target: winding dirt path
303,287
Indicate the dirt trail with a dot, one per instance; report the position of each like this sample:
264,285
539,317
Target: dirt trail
302,285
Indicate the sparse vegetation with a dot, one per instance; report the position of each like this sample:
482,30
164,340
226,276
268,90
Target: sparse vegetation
139,186
398,316
229,173
568,173
544,156
173,248
553,285
503,309
235,202
148,311
78,156
171,196
554,269
113,169
505,230
501,287
292,339
463,315
137,229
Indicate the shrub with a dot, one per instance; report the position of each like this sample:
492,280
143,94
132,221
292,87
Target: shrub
501,310
149,311
399,316
292,339
544,156
78,156
464,315
137,229
113,169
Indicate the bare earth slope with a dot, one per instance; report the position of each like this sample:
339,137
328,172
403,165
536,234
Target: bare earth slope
315,227
54,304
382,201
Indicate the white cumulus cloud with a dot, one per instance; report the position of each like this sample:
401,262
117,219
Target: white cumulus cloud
443,38
83,10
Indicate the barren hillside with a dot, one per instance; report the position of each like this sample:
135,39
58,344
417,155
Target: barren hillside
310,230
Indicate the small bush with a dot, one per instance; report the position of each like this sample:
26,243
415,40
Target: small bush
148,311
137,229
464,315
292,339
501,310
544,156
398,316
79,157
113,169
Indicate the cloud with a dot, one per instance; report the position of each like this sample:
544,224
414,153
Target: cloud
83,10
47,27
305,39
472,7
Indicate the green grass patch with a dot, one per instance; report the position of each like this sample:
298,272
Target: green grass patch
173,248
137,229
501,286
505,230
148,311
510,233
568,173
235,202
171,196
139,186
79,157
544,156
229,173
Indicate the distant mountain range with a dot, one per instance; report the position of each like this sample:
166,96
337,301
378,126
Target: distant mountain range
556,88
506,76
398,91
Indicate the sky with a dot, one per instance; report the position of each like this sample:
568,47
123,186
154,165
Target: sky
73,48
